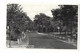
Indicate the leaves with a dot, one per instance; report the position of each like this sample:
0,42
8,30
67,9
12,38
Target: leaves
17,20
67,14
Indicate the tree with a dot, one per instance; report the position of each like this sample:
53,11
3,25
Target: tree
68,15
16,20
42,22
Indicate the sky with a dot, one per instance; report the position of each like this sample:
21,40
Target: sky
34,9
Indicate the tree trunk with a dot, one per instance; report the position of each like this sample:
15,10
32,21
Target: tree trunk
46,29
71,30
42,29
10,37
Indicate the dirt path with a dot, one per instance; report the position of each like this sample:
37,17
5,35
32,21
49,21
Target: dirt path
44,41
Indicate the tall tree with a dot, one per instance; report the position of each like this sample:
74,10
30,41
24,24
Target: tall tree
16,19
68,14
42,22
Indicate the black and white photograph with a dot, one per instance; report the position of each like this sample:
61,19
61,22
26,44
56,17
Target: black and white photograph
41,26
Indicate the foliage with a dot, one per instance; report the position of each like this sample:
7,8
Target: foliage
67,14
16,19
42,21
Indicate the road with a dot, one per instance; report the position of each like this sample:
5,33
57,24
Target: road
43,41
